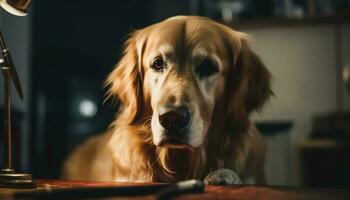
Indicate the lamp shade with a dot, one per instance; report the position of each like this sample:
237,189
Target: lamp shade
16,7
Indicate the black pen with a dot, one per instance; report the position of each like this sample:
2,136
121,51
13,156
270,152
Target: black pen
182,187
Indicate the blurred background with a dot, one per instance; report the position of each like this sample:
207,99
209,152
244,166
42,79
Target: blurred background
64,49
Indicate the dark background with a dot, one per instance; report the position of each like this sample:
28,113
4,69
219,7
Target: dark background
75,45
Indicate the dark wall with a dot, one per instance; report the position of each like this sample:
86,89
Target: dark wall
75,45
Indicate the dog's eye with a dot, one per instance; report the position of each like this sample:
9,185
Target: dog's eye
206,68
158,64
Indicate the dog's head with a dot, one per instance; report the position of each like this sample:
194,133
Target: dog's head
178,72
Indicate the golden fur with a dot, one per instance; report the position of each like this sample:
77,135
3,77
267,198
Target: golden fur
126,152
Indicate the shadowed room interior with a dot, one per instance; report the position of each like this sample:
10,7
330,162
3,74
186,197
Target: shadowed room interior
64,49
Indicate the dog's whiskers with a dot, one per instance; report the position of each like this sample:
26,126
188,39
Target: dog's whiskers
146,121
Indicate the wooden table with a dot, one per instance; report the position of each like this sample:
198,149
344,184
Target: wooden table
101,190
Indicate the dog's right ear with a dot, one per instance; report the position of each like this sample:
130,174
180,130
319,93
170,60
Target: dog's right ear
124,82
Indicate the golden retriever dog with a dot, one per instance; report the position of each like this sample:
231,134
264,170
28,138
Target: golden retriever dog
186,86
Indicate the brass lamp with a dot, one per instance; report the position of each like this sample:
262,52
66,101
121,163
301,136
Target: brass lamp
8,176
16,7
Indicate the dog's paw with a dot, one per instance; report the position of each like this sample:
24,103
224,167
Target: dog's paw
222,177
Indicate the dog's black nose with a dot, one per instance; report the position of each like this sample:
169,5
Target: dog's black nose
174,120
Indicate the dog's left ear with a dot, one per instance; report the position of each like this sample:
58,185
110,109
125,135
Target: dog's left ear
248,79
257,78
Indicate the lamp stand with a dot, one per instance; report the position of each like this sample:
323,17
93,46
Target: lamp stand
8,177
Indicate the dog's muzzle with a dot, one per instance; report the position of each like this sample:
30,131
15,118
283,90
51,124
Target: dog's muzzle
175,122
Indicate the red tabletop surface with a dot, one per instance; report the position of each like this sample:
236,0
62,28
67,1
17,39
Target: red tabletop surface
211,192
